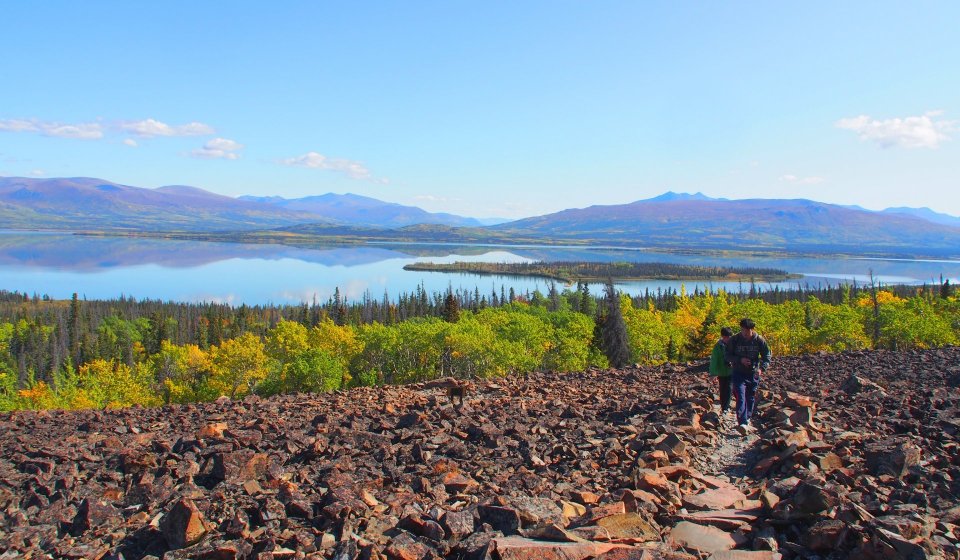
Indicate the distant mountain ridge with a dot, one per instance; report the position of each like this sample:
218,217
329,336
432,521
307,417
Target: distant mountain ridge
763,224
84,203
926,214
360,210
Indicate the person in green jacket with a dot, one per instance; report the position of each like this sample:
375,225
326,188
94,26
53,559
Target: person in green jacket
720,368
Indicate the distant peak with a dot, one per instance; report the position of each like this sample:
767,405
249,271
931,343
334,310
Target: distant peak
671,196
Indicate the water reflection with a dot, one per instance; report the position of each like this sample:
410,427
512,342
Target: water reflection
100,267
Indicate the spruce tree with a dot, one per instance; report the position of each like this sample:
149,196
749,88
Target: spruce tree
584,299
451,308
73,329
614,341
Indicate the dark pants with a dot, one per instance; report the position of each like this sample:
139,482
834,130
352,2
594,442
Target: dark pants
745,389
724,383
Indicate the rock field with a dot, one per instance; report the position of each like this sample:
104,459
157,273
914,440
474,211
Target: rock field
855,455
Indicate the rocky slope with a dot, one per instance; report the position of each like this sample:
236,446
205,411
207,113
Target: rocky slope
856,456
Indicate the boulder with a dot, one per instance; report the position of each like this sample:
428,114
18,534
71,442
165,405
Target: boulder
182,525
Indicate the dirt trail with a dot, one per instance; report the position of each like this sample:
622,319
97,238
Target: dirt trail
733,455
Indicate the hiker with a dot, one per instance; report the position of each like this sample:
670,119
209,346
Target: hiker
720,368
749,356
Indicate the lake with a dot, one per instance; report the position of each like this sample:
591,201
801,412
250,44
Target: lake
59,264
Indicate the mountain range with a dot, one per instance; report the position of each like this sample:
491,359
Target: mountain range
85,203
364,211
671,220
693,221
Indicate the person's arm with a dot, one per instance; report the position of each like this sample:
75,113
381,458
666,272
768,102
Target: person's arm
764,355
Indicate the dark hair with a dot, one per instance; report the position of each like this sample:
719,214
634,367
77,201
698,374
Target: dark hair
726,331
747,323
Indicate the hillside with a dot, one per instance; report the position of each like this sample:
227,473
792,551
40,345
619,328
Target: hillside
617,464
94,204
695,222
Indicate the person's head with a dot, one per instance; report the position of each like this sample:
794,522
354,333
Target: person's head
726,333
746,327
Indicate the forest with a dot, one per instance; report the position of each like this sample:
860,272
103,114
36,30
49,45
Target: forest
587,271
112,353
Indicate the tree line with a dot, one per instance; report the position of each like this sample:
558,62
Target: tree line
571,271
79,353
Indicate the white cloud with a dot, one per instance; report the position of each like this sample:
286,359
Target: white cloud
37,173
314,160
80,131
924,131
801,180
130,142
218,148
151,128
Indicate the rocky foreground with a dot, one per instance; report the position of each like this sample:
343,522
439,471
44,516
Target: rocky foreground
856,456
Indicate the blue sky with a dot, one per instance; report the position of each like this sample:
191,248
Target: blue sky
485,109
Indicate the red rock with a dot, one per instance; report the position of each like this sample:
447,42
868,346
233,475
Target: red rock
183,525
586,498
798,400
803,416
676,472
91,514
629,554
606,510
571,509
826,535
812,498
892,457
405,547
520,548
552,532
458,483
745,555
728,520
701,538
423,527
214,430
645,479
240,466
769,500
764,465
798,438
720,498
252,487
458,523
629,526
503,519
672,445
829,462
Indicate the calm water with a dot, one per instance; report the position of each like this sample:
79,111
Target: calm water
59,264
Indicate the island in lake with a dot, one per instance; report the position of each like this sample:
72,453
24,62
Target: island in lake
583,271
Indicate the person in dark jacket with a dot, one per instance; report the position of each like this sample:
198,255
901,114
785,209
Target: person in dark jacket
749,355
720,369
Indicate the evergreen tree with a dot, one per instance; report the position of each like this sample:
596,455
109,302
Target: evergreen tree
553,298
451,308
584,299
615,342
73,329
